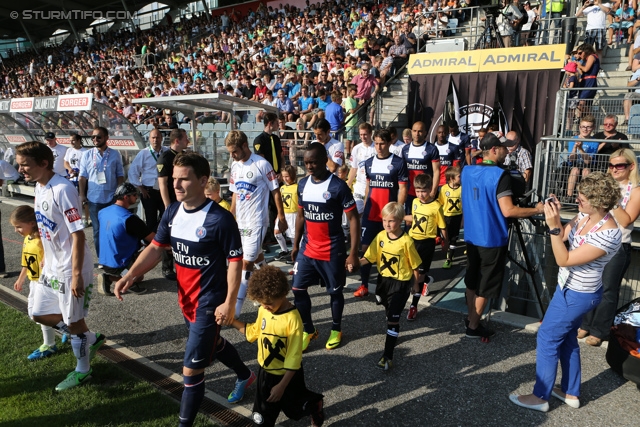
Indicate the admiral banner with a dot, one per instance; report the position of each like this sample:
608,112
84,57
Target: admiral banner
547,57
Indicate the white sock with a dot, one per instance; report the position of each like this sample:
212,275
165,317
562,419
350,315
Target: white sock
242,292
281,241
80,348
48,335
62,327
260,264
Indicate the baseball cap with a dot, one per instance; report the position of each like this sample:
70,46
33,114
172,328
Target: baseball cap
49,135
490,140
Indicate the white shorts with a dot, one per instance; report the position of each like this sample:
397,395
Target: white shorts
43,298
73,309
291,219
359,203
252,239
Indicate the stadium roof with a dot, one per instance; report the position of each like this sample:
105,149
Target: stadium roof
39,19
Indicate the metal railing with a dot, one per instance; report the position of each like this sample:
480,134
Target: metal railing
608,100
546,30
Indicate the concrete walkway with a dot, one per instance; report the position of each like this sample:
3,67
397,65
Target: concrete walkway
439,377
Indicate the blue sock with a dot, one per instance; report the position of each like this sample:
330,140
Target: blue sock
337,305
365,272
303,303
191,399
227,354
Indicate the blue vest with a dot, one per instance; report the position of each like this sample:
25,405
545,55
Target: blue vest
116,245
484,224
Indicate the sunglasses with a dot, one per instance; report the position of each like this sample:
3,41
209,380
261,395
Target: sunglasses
609,124
619,166
96,137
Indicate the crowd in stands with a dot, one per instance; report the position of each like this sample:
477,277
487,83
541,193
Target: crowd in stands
267,55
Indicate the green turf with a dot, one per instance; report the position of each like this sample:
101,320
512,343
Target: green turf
111,398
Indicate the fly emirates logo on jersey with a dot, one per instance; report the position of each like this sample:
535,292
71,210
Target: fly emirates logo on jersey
182,257
315,213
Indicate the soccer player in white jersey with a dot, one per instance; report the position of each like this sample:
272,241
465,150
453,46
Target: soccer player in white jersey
335,148
361,152
68,265
252,178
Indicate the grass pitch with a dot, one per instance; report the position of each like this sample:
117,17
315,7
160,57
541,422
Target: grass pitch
111,398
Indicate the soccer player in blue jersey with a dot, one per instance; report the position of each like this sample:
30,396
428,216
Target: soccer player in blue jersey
420,157
203,237
387,177
319,249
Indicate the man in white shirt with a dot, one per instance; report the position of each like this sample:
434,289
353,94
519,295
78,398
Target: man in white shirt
361,152
143,173
335,148
252,178
596,31
58,153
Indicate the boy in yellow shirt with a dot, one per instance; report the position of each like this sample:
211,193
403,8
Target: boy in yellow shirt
212,192
425,219
450,198
278,331
289,194
397,258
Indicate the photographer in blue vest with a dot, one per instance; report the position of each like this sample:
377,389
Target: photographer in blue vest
488,204
121,233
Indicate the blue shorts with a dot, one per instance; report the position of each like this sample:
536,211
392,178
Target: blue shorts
307,271
370,230
200,350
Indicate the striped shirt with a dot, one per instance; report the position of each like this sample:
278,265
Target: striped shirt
588,277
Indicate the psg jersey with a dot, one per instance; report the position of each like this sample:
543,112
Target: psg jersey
202,241
384,177
419,160
449,156
323,203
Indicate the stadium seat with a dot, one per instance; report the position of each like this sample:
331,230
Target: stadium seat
221,126
246,126
635,110
258,127
634,125
452,26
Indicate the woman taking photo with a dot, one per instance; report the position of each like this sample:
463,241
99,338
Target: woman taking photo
594,238
623,167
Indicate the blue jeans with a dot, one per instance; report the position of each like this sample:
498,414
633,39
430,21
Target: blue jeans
94,208
558,340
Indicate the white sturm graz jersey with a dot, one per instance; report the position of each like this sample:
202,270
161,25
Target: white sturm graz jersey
251,182
359,154
59,214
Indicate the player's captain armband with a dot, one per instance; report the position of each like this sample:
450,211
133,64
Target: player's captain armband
72,215
271,175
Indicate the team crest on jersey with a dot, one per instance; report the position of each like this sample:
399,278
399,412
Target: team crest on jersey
415,207
326,195
381,244
45,206
249,174
201,232
72,215
390,167
447,193
264,324
424,153
339,154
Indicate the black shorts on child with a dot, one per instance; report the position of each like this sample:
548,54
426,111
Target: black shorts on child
296,402
453,226
425,248
392,294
